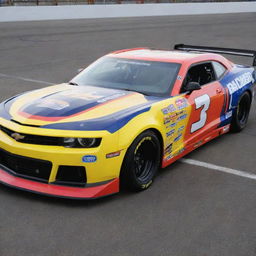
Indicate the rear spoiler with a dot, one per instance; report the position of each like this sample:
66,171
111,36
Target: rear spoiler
230,51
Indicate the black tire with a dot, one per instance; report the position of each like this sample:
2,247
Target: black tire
141,162
241,114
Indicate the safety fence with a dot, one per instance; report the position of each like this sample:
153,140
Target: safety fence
98,2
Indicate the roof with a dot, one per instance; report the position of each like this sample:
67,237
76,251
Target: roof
163,55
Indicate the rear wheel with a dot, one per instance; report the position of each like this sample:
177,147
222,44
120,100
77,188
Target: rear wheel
141,162
241,114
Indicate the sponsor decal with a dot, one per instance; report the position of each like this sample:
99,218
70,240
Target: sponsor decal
170,133
53,104
181,128
167,120
181,151
134,62
228,114
181,103
181,112
172,125
173,117
197,144
83,95
226,128
113,154
239,82
168,158
169,109
89,159
208,138
182,117
165,111
178,137
111,97
168,150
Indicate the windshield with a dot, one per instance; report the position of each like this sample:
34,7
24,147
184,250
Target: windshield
147,77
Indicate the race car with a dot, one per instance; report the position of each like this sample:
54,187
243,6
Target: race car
121,119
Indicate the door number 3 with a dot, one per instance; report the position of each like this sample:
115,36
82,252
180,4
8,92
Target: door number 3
201,101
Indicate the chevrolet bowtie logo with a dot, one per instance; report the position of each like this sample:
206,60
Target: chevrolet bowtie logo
17,136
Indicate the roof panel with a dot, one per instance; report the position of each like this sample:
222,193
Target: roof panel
159,55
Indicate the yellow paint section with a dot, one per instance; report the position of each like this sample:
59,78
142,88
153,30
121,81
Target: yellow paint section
101,170
175,127
104,168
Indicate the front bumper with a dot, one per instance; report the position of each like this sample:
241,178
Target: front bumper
109,188
101,175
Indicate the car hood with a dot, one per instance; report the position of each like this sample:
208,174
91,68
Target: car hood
76,107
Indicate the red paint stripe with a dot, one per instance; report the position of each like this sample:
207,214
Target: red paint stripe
61,191
58,118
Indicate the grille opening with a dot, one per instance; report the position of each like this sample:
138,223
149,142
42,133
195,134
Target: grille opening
45,140
71,176
26,167
35,139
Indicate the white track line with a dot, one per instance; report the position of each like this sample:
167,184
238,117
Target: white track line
219,168
25,79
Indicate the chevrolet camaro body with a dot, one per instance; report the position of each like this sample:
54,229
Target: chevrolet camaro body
70,140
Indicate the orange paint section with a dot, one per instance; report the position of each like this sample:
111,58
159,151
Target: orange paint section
212,114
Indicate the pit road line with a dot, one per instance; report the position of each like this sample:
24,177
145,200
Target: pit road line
25,79
219,168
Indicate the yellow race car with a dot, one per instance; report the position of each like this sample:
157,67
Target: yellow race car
120,119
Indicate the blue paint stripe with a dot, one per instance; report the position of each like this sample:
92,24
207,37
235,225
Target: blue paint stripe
111,123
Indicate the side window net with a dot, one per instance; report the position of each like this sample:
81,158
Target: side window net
201,73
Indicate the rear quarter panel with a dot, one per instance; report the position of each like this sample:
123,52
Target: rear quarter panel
236,81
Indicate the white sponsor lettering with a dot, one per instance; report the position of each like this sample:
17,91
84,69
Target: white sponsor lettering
239,82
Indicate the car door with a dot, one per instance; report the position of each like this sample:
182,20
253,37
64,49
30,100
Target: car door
206,103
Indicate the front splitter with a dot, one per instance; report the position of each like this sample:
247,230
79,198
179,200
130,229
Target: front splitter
109,188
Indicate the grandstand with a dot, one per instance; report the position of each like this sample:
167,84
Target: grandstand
98,2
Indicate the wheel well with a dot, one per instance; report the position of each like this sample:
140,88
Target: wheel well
160,138
250,93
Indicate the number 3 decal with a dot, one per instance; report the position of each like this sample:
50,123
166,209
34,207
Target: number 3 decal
202,101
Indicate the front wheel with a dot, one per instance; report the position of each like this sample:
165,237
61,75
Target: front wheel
141,162
241,113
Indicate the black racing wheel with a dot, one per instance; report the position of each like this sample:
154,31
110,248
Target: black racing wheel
141,162
241,114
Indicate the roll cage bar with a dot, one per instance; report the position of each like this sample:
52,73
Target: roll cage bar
230,51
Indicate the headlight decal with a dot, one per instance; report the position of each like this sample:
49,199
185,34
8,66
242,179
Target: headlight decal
70,142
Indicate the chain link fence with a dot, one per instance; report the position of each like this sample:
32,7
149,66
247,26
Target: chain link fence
81,2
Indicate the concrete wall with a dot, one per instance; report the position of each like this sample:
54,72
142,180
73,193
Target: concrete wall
29,13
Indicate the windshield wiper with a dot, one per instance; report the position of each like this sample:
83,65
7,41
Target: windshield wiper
132,90
73,83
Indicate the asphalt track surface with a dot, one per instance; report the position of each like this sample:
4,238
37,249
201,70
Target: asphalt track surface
190,210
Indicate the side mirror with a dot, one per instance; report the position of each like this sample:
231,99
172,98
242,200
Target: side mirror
192,86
